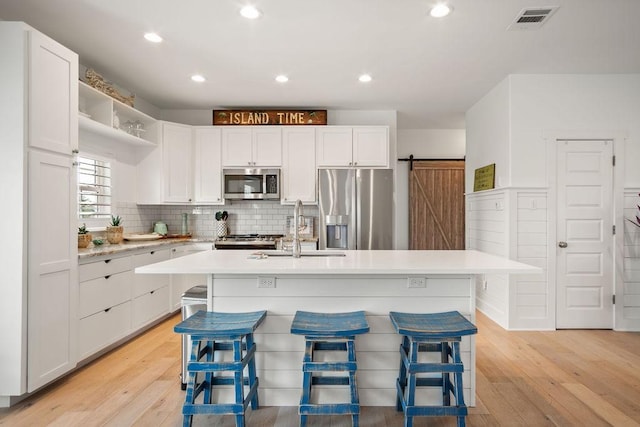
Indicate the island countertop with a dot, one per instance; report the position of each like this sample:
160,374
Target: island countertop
353,262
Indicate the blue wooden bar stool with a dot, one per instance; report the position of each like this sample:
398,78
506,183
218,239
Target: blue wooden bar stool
212,333
329,332
437,332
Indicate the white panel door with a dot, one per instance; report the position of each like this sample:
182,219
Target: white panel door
53,268
585,234
299,167
53,95
236,146
208,165
267,146
177,163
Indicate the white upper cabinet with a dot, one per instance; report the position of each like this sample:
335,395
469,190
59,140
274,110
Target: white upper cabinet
353,146
183,168
207,165
177,163
251,146
334,146
371,146
299,165
53,95
164,170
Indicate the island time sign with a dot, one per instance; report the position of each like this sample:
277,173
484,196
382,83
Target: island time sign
269,117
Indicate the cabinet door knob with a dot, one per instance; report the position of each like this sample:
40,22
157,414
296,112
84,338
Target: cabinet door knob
562,244
75,151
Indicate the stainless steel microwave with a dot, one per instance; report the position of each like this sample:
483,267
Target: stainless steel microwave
251,184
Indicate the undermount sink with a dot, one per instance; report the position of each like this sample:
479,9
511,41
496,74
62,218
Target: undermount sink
303,254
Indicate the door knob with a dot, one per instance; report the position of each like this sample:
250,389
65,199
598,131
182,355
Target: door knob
562,244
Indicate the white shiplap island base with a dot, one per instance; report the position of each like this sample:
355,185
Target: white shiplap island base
374,281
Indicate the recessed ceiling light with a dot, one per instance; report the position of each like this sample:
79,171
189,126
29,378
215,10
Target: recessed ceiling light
282,78
250,12
198,78
440,10
153,37
365,78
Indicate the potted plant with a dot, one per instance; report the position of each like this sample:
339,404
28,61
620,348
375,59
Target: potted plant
114,230
84,237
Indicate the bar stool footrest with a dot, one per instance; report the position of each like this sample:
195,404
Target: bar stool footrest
329,409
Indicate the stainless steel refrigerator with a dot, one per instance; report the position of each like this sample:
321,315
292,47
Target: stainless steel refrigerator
356,208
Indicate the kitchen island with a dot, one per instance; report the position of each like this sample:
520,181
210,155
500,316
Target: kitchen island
374,281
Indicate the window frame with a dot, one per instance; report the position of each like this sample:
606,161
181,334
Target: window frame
95,223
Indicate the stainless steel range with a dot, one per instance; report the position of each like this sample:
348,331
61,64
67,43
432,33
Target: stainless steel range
248,241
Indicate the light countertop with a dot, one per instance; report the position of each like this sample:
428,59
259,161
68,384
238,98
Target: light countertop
240,262
125,246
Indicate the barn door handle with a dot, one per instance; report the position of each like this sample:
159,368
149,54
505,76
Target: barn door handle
562,244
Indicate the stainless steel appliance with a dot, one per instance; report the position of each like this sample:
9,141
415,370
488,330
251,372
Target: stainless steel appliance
356,208
248,241
251,184
193,300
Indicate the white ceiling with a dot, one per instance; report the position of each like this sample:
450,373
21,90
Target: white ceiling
431,71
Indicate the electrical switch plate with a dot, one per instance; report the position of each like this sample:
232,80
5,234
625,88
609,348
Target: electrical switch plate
416,282
266,282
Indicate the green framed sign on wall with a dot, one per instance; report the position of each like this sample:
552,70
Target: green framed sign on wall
484,178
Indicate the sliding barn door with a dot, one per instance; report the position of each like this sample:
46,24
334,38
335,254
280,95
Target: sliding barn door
436,205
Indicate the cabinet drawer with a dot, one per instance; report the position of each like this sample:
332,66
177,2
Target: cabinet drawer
103,268
151,257
104,292
145,283
150,306
103,328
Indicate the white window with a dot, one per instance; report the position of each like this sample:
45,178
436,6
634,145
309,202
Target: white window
94,188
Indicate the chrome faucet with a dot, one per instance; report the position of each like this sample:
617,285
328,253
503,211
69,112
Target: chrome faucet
298,218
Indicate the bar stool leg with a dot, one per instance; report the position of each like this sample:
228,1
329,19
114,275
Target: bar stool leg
306,379
192,382
251,369
455,354
446,380
402,376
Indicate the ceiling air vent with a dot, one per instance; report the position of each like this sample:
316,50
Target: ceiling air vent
532,18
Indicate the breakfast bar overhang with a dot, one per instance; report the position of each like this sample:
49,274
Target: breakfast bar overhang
374,281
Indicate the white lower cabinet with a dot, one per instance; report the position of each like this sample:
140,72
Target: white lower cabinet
103,328
150,291
150,306
114,302
104,304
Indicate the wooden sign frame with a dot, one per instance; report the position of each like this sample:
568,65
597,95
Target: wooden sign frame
269,117
484,178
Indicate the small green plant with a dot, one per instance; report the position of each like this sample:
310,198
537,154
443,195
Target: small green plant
83,229
115,221
98,242
222,216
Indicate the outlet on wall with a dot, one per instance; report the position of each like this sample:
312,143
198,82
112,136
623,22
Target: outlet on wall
266,282
416,282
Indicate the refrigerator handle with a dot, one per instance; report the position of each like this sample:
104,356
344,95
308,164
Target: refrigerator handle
358,210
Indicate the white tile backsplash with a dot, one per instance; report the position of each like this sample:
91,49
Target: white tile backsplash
264,217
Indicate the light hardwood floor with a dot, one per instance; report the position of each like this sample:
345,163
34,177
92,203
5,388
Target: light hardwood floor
562,378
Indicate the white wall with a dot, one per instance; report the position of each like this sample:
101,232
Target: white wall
571,102
488,135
